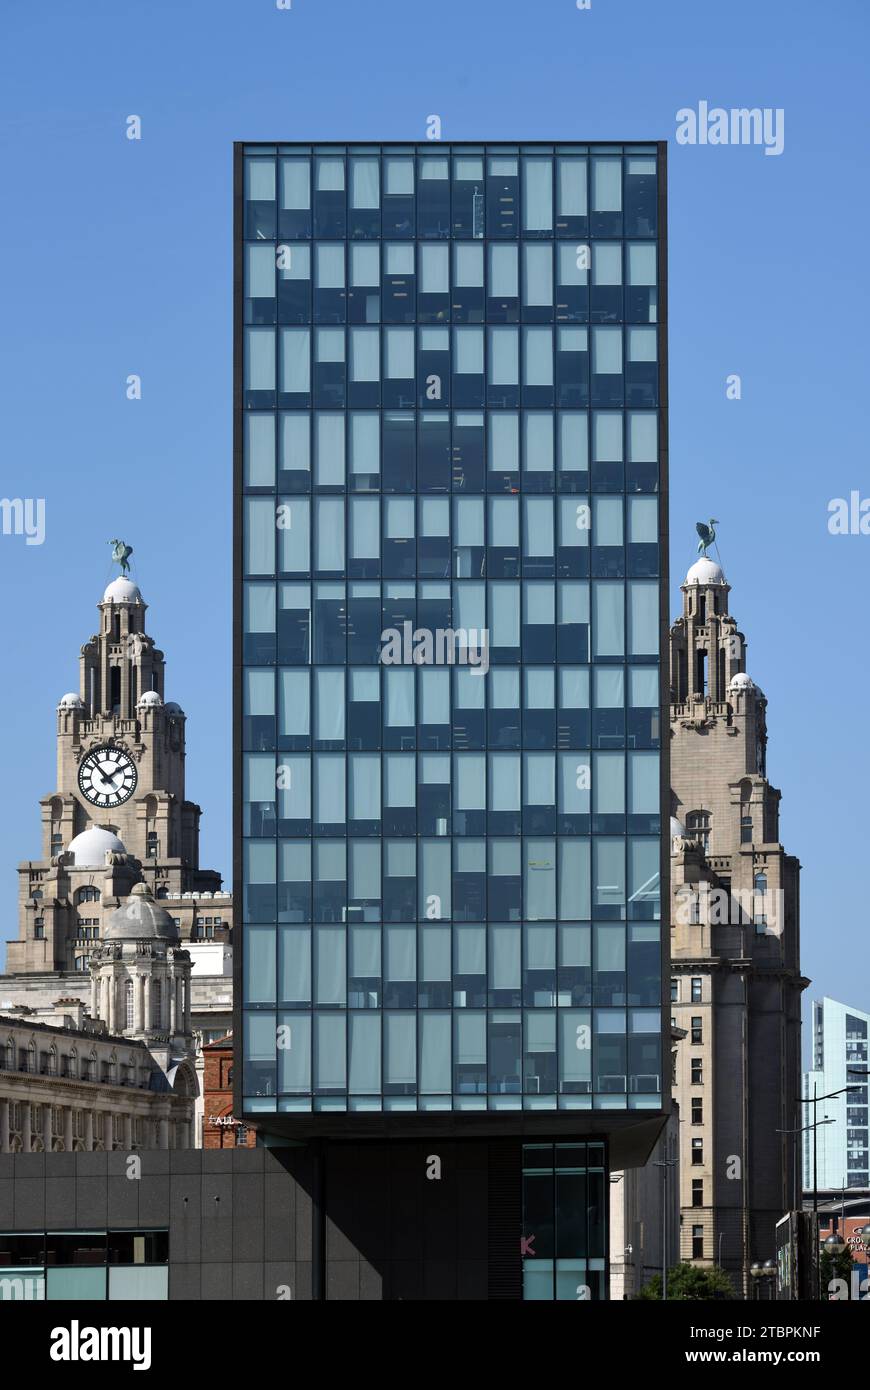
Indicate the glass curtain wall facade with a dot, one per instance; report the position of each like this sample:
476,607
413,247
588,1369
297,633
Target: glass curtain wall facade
564,1239
841,1058
449,571
96,1265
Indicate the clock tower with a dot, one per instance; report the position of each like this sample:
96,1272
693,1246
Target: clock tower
735,946
120,813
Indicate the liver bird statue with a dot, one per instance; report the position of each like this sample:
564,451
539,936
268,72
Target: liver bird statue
120,554
707,534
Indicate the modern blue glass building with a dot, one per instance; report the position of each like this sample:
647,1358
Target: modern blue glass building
450,569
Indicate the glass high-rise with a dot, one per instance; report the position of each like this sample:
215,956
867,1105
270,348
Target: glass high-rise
840,1070
450,607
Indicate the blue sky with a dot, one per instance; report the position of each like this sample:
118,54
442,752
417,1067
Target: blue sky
115,258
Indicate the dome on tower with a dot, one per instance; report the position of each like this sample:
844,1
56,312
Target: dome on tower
140,916
89,849
122,591
148,700
705,571
172,708
70,701
741,682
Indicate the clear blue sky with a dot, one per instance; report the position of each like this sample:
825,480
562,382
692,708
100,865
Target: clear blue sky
115,257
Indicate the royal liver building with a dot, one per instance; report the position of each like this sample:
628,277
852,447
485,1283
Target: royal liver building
119,813
735,944
122,964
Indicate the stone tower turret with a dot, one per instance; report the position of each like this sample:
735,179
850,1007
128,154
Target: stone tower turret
120,776
735,945
140,979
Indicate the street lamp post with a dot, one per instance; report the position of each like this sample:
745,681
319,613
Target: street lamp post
763,1275
665,1164
833,1246
770,1275
814,1100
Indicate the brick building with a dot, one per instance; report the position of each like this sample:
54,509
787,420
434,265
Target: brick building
220,1130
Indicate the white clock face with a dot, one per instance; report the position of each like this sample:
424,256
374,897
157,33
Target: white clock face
107,776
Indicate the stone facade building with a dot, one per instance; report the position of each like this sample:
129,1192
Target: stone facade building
121,1076
140,976
735,945
119,811
72,1087
117,919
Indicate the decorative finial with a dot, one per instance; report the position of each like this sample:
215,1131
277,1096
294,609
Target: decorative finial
707,534
121,554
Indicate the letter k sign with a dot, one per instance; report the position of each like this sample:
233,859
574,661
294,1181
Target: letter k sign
527,1245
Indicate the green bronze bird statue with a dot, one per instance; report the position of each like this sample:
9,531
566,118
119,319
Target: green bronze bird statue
707,534
120,554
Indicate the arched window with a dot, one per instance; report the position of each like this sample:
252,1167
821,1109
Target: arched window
10,1054
152,843
128,1004
31,1057
163,891
156,1004
745,812
56,831
759,915
88,894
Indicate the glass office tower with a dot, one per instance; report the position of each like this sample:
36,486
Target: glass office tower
450,607
841,1054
